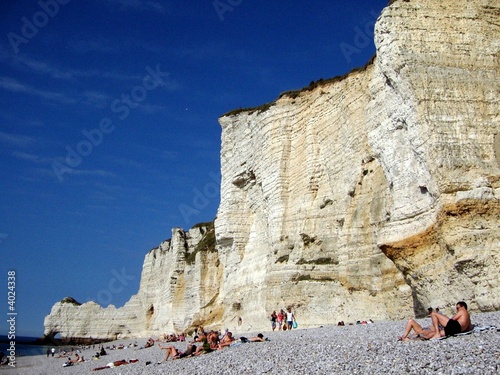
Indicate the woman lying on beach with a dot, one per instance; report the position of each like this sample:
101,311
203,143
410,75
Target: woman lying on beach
176,353
115,364
420,332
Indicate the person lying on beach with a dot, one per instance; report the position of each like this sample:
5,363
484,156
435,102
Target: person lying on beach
149,343
258,338
420,332
115,364
459,323
176,353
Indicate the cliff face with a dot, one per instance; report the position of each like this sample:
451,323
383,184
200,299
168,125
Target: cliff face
370,196
179,284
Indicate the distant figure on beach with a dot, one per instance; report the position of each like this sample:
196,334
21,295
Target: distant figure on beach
53,351
290,318
3,359
115,364
281,315
48,352
459,323
274,318
77,359
258,338
149,343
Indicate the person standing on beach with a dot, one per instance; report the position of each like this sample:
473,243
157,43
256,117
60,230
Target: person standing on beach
290,318
281,314
274,317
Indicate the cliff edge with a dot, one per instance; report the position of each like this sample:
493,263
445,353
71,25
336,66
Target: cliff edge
373,195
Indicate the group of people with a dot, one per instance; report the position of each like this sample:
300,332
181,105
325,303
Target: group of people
283,320
71,362
208,342
442,326
172,337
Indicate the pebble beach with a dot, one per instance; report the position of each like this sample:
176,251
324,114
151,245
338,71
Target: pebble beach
351,349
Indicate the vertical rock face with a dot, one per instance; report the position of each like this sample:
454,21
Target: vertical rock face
372,195
179,285
376,194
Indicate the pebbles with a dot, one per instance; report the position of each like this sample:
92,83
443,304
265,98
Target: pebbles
358,349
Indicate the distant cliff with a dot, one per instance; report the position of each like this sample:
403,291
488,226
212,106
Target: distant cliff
373,195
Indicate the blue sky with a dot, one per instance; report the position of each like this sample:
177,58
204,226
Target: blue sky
108,125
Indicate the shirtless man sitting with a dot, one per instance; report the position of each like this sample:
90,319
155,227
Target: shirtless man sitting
459,323
227,340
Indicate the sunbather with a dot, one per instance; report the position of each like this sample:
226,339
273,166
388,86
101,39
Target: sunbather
420,332
459,323
176,353
258,338
227,340
112,364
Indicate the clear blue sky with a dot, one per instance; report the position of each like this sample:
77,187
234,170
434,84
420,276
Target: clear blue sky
108,125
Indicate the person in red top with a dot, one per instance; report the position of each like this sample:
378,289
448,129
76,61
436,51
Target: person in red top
281,314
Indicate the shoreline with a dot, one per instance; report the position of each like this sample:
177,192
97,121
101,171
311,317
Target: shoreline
361,349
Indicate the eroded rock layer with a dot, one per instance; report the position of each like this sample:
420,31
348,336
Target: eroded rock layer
372,195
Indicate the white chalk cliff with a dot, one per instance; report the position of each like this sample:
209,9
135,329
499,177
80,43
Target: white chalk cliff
373,195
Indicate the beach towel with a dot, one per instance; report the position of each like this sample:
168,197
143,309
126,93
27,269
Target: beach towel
475,329
478,328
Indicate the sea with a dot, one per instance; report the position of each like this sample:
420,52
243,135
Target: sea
25,346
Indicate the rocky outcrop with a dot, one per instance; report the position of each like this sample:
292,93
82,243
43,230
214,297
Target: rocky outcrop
178,289
370,195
